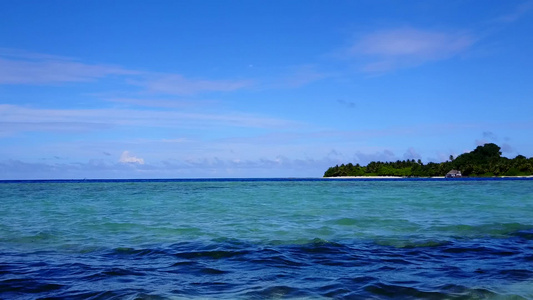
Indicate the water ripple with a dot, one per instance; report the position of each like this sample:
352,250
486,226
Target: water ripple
267,240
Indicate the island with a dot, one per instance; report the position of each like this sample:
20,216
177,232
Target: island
484,161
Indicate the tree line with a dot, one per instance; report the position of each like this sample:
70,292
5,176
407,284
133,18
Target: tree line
484,161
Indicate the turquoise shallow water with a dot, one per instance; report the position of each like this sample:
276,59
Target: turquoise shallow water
264,239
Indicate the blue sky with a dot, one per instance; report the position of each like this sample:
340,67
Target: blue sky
192,89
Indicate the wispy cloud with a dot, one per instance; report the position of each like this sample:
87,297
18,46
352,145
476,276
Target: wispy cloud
22,67
203,167
491,137
19,67
347,104
304,75
385,155
411,154
296,76
487,137
387,50
174,84
10,53
7,128
161,103
16,169
518,13
16,118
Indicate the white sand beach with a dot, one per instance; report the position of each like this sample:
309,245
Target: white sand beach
365,177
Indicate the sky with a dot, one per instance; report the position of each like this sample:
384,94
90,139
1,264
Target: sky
212,89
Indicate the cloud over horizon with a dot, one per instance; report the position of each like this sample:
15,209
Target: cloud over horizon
126,157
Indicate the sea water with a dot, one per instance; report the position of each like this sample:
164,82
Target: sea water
267,239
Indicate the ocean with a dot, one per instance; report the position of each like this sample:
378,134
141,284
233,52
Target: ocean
267,239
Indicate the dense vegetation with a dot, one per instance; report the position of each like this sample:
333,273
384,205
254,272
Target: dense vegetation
484,161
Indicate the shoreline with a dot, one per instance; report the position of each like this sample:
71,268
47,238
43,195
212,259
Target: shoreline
393,178
400,177
369,177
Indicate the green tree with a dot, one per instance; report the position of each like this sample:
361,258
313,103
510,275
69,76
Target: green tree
485,160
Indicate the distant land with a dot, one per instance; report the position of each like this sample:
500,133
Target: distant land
484,161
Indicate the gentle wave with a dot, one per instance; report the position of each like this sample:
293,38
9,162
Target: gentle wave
254,239
316,269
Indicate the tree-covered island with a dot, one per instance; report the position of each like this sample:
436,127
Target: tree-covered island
484,161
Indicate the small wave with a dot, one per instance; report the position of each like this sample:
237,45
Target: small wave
346,221
120,226
400,291
318,245
31,286
411,244
478,250
463,292
112,273
334,290
183,263
316,268
526,234
483,230
126,251
528,258
375,222
213,271
96,295
279,260
195,268
517,274
216,254
276,292
39,237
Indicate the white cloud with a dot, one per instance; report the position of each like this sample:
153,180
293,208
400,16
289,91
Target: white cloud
294,77
16,118
405,47
22,67
175,141
126,157
175,84
162,103
18,67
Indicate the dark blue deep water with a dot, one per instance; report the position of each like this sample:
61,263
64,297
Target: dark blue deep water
267,239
